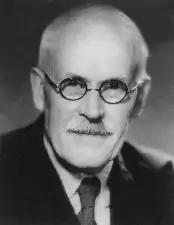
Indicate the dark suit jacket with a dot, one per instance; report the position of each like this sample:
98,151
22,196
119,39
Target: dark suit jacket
31,192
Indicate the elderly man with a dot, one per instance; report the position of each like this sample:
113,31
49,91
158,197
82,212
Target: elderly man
73,166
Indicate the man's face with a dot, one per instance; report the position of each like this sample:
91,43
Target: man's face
76,127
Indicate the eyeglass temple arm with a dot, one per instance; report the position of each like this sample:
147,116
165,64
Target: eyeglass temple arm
134,88
52,83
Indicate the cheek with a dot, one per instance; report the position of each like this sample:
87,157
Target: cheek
117,116
61,113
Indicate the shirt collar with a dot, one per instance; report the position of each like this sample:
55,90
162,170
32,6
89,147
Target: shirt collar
70,181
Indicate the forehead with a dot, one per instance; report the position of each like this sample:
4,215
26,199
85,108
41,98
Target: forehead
95,51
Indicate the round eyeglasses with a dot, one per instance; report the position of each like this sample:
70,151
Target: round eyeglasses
112,91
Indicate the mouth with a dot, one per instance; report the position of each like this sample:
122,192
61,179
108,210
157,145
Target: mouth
90,133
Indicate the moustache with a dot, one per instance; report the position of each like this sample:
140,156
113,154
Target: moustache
95,130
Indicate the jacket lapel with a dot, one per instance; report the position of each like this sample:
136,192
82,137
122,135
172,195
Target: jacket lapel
121,195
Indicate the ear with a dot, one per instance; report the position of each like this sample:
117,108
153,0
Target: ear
37,85
142,93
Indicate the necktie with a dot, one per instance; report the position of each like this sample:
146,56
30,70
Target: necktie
88,191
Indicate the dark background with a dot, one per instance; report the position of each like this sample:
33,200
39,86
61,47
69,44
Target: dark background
21,23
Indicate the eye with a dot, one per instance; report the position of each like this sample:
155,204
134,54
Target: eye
113,85
72,82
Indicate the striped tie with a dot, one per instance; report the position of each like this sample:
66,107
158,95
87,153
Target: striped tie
88,191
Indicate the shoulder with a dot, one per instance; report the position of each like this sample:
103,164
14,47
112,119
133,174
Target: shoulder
21,136
13,139
12,145
17,145
156,159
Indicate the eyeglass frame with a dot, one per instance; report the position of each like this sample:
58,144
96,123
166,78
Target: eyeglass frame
57,89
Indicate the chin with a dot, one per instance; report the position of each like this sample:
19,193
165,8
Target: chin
89,163
89,167
89,157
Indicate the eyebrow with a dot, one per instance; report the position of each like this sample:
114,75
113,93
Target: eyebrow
69,75
121,78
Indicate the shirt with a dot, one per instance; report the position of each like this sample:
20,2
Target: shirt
72,182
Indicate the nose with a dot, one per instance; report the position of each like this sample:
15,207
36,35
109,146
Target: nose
92,106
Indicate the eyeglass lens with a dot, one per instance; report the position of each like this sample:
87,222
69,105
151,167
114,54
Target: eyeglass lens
73,88
113,91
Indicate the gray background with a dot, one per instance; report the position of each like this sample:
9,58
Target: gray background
22,22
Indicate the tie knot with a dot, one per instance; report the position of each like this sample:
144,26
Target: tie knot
88,191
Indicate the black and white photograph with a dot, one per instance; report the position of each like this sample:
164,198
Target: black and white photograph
86,112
